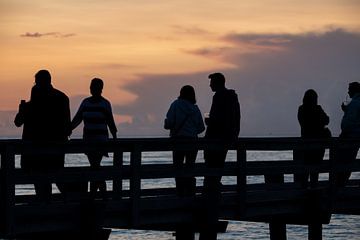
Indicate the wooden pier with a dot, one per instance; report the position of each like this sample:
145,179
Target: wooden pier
128,205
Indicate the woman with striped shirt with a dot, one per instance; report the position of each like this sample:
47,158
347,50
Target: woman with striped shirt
97,115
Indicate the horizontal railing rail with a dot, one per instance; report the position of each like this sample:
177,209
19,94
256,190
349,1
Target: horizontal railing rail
240,191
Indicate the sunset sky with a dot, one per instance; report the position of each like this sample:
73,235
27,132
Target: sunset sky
271,52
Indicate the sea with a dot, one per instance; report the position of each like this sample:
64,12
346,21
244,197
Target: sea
341,226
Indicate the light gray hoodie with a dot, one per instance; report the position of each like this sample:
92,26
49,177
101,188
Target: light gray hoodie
184,119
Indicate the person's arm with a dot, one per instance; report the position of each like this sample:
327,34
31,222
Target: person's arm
67,118
78,118
200,122
110,121
20,116
237,116
169,121
325,120
300,116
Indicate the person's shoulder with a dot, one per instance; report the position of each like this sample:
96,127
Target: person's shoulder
177,102
104,100
356,99
86,100
231,92
59,93
319,108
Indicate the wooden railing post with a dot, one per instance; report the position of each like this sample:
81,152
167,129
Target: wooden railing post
7,189
332,175
135,185
277,229
117,181
241,178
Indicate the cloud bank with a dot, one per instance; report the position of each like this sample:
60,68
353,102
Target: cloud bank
270,73
270,80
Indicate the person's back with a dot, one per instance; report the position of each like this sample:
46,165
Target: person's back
312,117
224,121
46,118
350,124
313,121
51,116
184,119
96,113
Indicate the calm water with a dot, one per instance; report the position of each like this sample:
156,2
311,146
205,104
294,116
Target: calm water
341,227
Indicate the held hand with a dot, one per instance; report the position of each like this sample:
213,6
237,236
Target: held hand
114,136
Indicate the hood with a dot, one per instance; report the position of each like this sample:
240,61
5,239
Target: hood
185,106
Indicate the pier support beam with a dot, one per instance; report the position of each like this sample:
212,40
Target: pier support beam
277,230
315,231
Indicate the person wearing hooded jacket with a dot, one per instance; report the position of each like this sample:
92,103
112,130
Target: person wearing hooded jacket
223,125
184,120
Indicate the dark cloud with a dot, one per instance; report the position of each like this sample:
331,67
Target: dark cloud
51,34
214,52
155,94
270,83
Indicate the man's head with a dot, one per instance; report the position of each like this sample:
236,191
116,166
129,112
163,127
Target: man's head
217,81
43,79
96,87
354,88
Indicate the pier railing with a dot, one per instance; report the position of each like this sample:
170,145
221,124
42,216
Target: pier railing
130,205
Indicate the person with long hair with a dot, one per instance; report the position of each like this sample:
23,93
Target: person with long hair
313,121
184,120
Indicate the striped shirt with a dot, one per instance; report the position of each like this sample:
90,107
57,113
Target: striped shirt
97,116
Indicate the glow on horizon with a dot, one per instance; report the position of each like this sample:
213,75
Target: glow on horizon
121,40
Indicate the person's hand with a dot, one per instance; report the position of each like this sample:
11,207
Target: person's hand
22,105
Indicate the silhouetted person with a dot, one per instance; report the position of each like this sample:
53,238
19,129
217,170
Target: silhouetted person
184,120
223,124
350,128
46,118
96,112
313,121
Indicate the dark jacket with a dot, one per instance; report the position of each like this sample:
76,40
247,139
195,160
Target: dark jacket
224,118
312,120
46,117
